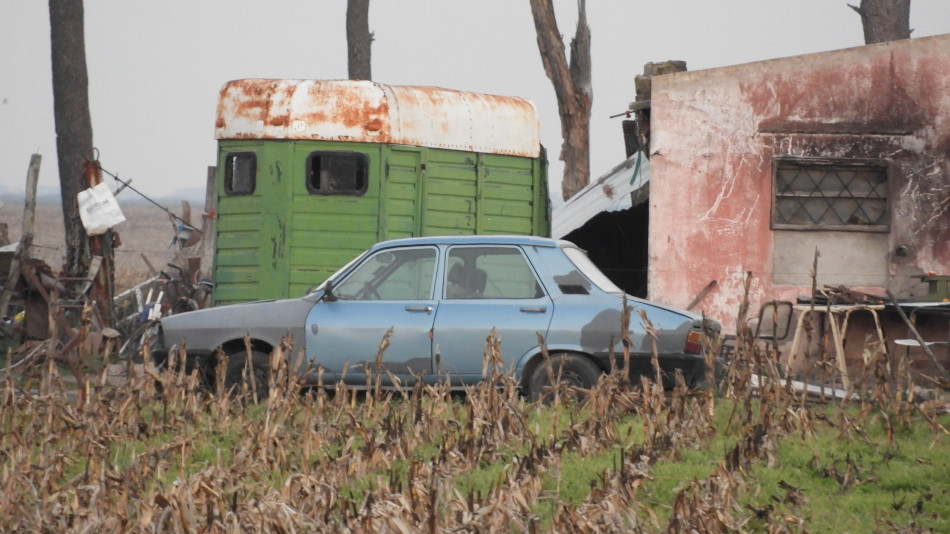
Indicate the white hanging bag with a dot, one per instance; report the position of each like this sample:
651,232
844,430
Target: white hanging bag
98,209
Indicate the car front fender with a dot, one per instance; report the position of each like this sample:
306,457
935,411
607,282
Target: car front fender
265,321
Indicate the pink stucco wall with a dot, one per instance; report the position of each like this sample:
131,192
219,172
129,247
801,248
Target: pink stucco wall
715,134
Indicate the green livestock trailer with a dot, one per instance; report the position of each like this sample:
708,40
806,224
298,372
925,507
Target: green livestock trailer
311,173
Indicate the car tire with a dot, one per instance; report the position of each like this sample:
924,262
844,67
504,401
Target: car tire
236,376
574,370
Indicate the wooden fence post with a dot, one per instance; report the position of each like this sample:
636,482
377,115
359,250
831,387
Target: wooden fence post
26,235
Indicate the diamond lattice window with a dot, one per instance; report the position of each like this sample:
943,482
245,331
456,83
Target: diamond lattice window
830,195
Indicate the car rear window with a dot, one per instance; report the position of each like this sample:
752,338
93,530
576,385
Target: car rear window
587,267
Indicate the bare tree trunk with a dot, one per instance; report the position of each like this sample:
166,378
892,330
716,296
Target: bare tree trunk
73,122
359,40
884,20
572,85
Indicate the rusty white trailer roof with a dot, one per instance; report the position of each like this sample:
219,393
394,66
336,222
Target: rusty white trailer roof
624,186
368,112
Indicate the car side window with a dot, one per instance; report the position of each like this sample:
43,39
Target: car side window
402,274
490,273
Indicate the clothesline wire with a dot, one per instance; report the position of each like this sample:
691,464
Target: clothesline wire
127,184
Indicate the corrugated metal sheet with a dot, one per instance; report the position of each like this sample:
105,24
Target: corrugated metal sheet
622,187
364,111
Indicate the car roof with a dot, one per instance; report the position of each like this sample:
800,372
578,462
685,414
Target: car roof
471,240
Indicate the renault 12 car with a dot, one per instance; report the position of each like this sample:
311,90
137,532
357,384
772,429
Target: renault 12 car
436,299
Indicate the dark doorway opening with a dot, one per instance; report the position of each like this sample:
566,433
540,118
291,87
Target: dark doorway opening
617,242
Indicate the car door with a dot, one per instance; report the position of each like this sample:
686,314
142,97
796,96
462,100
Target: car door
391,289
487,287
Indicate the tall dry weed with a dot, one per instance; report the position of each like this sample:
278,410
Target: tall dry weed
166,452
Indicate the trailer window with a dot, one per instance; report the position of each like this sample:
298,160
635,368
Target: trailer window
337,173
240,173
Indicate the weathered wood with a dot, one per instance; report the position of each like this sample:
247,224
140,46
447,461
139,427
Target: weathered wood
186,212
72,119
36,324
838,340
884,20
572,85
152,271
206,245
26,236
359,40
101,259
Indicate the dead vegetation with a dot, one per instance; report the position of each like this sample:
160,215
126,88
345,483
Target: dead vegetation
160,453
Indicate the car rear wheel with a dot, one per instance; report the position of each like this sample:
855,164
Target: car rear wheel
574,371
254,376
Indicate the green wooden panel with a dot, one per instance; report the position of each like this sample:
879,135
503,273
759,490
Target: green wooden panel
251,230
244,205
238,223
510,209
239,275
238,257
402,192
326,231
235,293
283,239
506,225
442,222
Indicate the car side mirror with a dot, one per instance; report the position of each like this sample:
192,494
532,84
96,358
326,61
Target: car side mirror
328,295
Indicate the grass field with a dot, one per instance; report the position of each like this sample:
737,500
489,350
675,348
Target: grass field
161,454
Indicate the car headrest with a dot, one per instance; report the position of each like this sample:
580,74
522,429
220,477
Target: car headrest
457,274
478,281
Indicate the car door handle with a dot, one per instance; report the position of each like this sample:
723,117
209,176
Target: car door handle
534,309
427,309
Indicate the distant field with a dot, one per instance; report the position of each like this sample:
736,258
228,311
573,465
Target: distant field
147,231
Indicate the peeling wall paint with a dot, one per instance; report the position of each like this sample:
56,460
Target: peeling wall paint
716,132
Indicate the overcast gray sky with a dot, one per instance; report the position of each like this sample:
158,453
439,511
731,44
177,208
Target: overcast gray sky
155,68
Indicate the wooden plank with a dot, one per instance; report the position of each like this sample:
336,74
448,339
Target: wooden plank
838,340
26,239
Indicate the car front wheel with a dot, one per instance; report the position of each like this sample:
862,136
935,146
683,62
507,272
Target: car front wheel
574,371
255,375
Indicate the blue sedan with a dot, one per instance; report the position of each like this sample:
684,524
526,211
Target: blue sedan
435,300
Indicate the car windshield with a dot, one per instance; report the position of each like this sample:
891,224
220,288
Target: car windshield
587,267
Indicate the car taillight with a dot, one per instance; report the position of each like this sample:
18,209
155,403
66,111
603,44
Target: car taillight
694,342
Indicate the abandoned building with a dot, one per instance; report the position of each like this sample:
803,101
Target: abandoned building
834,162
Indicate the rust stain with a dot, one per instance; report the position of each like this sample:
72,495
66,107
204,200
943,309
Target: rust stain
362,111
